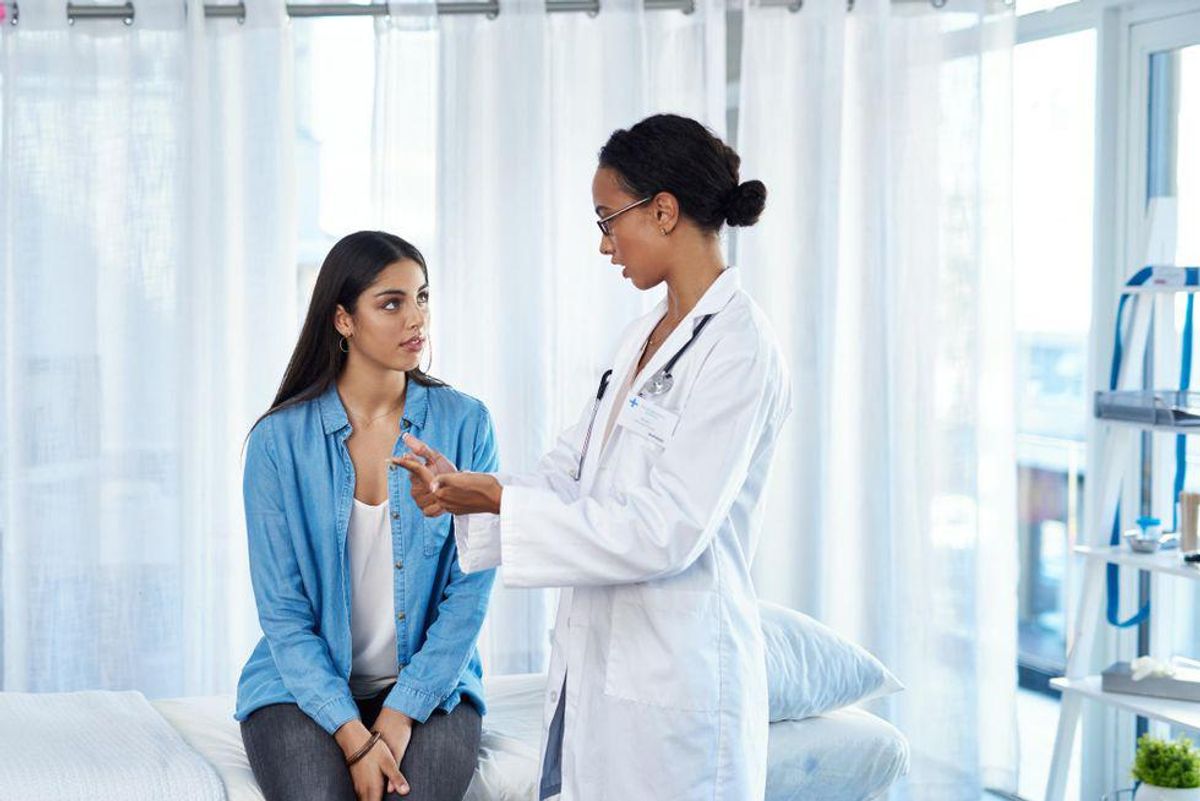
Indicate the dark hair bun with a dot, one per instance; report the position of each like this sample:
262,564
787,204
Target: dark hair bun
746,203
669,153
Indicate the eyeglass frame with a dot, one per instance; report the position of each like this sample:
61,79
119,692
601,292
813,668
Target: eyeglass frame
603,222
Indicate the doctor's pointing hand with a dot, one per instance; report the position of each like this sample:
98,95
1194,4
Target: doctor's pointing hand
646,512
438,487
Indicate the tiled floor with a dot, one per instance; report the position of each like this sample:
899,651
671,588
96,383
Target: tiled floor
1037,721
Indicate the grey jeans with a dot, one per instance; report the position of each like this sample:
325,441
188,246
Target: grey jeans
294,759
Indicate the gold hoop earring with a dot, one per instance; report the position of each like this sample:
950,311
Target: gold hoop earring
343,345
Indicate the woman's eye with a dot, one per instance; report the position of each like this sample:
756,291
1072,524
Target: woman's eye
391,305
423,298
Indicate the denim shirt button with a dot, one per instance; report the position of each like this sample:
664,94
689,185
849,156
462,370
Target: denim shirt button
395,515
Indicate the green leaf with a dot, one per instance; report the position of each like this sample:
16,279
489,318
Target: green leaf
1174,765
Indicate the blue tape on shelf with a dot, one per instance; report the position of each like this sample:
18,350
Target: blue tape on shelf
1112,574
1138,279
1112,581
1185,383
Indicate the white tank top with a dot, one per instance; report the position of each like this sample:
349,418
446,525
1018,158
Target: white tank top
372,613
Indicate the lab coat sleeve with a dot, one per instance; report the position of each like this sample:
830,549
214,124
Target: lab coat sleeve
478,535
425,683
284,610
660,528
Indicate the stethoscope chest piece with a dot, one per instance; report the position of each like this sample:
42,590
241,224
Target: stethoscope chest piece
659,384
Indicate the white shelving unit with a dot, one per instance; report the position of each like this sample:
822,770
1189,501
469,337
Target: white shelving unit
1177,713
1126,417
1076,687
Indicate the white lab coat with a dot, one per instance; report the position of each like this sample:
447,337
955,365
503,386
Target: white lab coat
657,630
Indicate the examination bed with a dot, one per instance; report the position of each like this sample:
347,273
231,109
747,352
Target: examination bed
847,755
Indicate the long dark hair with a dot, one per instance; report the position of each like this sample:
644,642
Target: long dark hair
669,153
352,265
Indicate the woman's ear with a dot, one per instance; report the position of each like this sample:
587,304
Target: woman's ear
343,322
666,212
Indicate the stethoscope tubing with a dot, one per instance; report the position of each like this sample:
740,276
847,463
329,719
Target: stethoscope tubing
662,379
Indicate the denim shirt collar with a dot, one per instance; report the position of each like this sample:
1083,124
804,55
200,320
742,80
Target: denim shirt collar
333,413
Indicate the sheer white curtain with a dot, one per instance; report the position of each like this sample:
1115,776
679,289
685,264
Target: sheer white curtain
883,261
526,310
147,296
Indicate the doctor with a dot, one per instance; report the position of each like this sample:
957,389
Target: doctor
648,510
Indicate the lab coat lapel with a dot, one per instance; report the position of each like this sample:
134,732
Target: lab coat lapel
627,354
715,298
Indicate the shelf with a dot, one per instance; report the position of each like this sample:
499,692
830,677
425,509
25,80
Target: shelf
1170,562
1178,713
1190,430
1166,410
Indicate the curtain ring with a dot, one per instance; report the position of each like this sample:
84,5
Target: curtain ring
849,6
795,6
938,3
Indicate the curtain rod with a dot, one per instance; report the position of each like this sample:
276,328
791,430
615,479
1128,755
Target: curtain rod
490,8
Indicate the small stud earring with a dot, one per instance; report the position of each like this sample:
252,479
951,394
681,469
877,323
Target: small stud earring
663,230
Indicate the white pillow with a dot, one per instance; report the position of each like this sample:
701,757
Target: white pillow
812,670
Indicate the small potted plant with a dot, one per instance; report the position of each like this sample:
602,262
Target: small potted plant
1168,771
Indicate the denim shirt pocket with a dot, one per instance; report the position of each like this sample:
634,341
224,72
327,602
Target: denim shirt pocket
437,531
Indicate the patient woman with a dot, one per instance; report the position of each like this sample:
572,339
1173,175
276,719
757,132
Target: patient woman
367,681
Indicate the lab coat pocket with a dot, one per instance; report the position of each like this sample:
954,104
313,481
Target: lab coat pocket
436,530
664,649
634,457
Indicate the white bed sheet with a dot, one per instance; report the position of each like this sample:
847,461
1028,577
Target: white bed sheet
847,755
96,744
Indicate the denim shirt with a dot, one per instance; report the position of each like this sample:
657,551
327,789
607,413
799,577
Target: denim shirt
299,489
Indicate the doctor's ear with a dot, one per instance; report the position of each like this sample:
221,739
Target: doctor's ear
665,208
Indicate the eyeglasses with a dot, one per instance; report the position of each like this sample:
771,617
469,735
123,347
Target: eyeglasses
605,223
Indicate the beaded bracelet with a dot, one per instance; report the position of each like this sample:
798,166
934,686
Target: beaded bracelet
362,752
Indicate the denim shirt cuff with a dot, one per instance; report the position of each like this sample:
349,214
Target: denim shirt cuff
336,712
412,701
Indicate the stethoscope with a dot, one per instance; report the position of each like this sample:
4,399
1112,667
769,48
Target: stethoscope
658,384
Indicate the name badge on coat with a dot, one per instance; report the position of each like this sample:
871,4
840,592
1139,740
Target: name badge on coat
648,419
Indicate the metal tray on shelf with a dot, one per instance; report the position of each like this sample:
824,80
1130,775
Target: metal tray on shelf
1153,407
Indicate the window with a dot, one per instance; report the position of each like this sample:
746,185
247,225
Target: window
1187,159
1053,122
